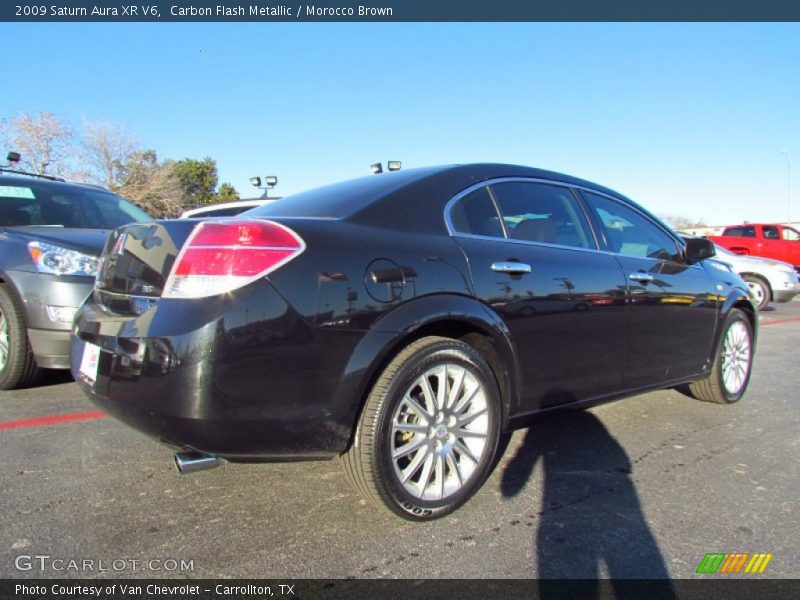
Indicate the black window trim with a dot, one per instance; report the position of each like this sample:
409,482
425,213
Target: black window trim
490,182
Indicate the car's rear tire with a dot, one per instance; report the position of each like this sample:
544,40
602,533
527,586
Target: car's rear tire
17,363
760,290
422,449
733,363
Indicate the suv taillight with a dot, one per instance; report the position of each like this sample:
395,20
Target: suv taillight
221,256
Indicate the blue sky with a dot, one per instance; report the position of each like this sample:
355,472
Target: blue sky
687,119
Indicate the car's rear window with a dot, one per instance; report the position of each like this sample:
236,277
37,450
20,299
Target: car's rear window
740,231
340,199
32,204
221,212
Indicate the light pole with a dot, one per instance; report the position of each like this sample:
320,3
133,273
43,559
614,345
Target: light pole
392,165
269,182
788,187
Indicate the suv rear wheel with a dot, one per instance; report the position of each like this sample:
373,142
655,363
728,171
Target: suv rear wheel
17,364
427,437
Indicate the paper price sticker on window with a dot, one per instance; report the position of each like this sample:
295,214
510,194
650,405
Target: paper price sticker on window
12,191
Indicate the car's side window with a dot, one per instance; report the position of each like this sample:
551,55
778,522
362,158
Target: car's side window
790,235
630,233
476,214
741,231
540,212
771,233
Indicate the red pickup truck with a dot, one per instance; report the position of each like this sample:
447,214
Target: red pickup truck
774,241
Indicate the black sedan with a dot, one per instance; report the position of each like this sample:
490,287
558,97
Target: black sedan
404,321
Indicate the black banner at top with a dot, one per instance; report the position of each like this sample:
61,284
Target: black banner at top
397,10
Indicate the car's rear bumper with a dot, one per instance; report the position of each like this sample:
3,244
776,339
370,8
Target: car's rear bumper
241,376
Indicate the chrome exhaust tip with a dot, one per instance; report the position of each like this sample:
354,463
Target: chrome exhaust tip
191,462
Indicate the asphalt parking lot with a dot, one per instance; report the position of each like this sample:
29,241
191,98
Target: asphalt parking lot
639,488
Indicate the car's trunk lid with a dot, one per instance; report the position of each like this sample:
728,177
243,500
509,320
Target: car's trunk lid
136,262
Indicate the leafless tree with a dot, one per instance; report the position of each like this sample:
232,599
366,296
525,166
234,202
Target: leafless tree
152,185
106,148
45,141
679,222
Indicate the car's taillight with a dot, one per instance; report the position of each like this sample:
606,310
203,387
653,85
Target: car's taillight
221,256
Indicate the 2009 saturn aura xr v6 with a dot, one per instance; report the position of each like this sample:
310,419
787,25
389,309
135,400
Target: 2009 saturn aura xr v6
404,321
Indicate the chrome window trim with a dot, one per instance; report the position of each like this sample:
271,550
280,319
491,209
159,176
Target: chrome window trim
570,187
527,243
487,183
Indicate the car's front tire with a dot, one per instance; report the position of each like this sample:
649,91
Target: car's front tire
17,363
427,436
733,362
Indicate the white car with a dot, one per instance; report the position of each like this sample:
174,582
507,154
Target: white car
768,280
225,209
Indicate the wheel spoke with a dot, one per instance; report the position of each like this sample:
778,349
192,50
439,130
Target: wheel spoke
458,384
418,408
441,389
425,476
466,400
454,466
427,392
462,449
439,476
466,433
467,419
411,427
412,467
410,447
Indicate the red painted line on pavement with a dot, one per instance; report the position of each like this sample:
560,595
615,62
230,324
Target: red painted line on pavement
779,321
52,420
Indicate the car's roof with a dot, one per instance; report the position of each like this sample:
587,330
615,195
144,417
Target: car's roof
10,179
409,197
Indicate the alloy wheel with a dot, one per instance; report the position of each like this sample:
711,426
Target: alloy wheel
736,357
439,432
3,341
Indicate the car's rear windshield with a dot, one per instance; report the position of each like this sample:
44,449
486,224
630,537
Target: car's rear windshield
32,204
340,199
220,212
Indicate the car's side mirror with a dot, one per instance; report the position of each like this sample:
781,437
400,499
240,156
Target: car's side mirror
698,249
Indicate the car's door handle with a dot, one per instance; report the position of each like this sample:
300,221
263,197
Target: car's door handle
511,267
641,277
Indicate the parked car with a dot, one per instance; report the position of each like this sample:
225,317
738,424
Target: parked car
380,320
225,209
772,240
768,280
51,235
